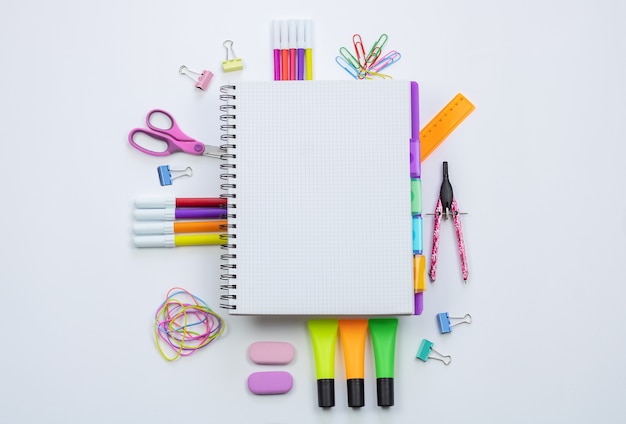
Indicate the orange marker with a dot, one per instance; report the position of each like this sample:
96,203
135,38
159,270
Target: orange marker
199,226
177,227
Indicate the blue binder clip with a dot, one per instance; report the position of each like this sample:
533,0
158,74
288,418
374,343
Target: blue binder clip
444,321
426,347
165,174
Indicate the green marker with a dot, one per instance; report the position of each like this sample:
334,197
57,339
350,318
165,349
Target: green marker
383,331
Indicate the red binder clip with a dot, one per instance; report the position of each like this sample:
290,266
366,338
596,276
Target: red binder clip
202,79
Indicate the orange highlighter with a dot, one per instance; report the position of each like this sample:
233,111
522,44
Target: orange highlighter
353,334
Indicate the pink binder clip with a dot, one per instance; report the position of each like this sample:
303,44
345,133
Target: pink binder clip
202,79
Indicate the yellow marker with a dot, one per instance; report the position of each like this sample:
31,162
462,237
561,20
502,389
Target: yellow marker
175,240
436,131
419,273
198,239
308,45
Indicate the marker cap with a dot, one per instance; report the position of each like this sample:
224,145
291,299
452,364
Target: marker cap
154,241
356,392
165,214
155,202
384,390
153,227
326,392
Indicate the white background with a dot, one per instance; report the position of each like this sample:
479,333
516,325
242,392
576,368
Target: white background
538,165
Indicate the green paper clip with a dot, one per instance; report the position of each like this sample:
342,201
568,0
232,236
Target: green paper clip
426,347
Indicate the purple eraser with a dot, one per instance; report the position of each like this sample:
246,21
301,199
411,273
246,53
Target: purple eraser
271,353
270,382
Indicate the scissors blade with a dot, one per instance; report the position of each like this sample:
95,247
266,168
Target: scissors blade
213,151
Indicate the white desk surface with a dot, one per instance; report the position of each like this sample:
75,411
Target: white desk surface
538,164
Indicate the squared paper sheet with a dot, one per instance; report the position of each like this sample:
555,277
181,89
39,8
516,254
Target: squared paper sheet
323,222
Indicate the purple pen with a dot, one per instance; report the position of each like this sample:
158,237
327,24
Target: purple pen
300,47
171,214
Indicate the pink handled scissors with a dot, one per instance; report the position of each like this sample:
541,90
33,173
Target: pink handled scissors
175,140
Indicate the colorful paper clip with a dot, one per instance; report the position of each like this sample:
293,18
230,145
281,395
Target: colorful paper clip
444,321
232,63
366,66
376,50
385,61
165,174
202,79
341,61
426,348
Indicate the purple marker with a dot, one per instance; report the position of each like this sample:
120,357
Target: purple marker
300,47
171,214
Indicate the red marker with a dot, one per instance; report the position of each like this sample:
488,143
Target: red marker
292,49
161,202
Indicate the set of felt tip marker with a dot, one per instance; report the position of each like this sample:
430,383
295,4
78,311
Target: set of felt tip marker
293,49
172,222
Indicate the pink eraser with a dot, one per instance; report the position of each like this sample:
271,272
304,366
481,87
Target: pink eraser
204,80
271,353
270,382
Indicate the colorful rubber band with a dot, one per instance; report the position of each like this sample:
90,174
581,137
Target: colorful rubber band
185,324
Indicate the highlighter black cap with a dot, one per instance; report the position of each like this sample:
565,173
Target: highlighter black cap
356,392
326,392
384,389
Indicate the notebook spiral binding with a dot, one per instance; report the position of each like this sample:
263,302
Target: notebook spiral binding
228,175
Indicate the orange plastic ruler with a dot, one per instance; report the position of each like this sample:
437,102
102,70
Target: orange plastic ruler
436,131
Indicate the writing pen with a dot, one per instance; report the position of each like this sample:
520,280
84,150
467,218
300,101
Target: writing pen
171,214
172,240
159,202
300,47
276,28
292,49
177,227
308,39
284,50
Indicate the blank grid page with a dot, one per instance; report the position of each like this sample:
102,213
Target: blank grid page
323,222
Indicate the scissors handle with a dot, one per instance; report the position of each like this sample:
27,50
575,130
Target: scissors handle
175,140
172,145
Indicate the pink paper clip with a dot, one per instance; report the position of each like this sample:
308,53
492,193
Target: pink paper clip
202,79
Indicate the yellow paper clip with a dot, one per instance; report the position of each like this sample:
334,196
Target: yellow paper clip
234,63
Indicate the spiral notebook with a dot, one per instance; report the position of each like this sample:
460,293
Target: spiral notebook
318,185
